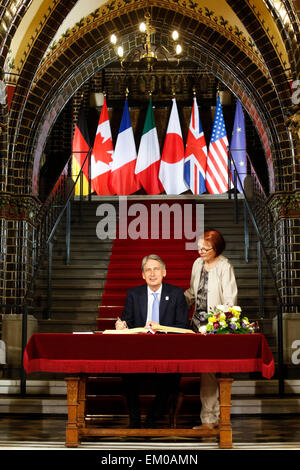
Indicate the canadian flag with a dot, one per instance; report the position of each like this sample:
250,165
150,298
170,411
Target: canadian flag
171,172
102,155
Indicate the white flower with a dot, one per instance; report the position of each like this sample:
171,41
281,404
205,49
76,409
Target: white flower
237,308
202,330
222,308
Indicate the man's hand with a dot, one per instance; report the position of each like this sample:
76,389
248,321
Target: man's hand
152,324
120,325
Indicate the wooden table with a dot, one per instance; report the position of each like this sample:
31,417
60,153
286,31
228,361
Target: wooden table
80,355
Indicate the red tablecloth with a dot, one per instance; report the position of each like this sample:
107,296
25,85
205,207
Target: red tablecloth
147,353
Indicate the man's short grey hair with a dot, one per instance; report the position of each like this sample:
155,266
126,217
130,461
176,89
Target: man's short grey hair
156,258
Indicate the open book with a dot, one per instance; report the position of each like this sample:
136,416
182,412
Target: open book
158,328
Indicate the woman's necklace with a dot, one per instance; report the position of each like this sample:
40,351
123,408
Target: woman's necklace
209,266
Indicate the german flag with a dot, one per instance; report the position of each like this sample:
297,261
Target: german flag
80,149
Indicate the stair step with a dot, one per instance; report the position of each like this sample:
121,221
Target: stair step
142,244
241,387
69,316
242,272
79,262
70,284
181,257
90,225
79,288
56,325
57,405
68,274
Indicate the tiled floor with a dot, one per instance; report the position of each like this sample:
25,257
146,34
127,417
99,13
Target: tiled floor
255,432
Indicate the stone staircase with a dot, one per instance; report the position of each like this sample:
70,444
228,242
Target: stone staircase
48,397
76,297
78,287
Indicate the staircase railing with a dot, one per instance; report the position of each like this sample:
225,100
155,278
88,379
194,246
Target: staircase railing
58,203
49,217
265,245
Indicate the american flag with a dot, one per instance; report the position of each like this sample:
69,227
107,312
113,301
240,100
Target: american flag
217,159
195,154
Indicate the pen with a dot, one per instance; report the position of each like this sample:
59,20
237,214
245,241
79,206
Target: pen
119,319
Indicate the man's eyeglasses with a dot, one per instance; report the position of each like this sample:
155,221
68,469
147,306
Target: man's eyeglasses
205,250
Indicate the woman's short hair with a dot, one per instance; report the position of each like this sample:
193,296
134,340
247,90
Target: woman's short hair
216,240
156,258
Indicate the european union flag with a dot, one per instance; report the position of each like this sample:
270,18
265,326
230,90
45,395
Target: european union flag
238,144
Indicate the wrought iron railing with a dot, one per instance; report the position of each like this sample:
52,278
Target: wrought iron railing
261,219
58,204
48,220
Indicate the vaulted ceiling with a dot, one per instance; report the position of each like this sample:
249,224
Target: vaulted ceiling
49,48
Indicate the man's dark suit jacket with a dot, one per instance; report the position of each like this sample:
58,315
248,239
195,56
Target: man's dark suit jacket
173,310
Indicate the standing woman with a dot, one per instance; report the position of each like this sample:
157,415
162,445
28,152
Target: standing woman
212,283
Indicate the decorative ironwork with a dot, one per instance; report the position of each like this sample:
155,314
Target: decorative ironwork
147,54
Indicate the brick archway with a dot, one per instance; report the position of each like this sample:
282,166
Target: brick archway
88,52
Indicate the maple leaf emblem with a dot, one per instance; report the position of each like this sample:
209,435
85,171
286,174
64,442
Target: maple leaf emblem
103,150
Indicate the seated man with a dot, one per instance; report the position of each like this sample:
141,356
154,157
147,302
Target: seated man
153,302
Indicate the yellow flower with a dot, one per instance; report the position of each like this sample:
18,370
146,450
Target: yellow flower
236,313
236,307
212,319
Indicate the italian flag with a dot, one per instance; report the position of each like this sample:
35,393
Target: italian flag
148,160
172,160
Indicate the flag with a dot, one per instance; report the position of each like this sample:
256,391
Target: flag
80,149
102,155
123,178
217,158
195,154
148,159
172,160
238,144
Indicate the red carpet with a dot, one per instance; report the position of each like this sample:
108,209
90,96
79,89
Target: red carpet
124,270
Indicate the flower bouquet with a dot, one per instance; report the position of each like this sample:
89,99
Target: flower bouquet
223,320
